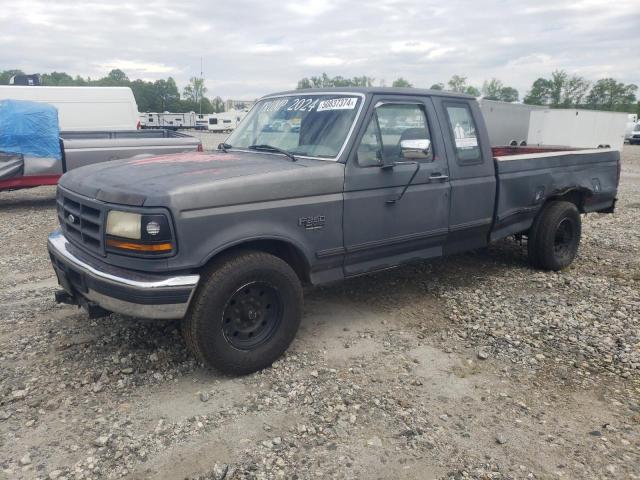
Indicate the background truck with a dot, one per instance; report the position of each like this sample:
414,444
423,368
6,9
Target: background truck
368,179
26,126
82,108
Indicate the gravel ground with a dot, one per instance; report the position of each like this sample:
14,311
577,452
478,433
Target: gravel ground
474,366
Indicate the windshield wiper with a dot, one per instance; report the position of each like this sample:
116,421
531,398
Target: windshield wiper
271,148
224,146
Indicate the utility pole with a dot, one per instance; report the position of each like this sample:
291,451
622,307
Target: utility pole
201,84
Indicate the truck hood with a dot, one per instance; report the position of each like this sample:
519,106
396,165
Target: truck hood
203,179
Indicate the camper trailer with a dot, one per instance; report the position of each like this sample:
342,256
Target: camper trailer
174,121
225,121
166,120
202,121
82,108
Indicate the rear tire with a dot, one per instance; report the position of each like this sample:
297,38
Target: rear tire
555,236
245,313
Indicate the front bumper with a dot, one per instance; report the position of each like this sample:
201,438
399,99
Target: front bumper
91,282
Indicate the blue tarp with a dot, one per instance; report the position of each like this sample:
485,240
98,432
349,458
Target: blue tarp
29,128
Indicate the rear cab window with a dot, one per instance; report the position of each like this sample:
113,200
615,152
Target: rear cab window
462,128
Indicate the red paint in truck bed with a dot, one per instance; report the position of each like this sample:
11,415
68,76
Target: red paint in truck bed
28,182
505,151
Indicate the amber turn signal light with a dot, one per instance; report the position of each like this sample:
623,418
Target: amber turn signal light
140,247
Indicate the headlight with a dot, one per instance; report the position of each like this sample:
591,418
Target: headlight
124,224
134,232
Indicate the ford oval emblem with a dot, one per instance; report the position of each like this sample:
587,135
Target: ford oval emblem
71,218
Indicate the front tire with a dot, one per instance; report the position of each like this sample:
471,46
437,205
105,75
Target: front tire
555,236
245,313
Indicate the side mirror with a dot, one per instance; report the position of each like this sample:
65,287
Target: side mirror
415,149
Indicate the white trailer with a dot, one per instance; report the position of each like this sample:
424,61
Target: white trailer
225,121
577,128
82,108
174,121
166,120
202,121
507,122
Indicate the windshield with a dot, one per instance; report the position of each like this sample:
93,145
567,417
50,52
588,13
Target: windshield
314,125
637,128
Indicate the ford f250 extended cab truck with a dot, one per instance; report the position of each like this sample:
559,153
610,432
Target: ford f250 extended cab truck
313,186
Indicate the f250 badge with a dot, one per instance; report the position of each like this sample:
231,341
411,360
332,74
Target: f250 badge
312,223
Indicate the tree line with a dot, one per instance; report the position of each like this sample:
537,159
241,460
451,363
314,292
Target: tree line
561,90
158,96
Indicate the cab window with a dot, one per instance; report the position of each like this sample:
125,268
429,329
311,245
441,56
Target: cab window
464,134
390,124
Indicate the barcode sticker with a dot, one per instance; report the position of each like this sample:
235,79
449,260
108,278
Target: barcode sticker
347,103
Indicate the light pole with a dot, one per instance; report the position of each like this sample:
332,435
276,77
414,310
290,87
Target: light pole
201,85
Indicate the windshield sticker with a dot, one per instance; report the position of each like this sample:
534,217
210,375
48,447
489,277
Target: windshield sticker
469,142
348,103
303,105
464,139
274,105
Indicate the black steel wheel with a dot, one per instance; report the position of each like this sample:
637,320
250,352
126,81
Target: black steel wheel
554,238
245,313
252,315
564,239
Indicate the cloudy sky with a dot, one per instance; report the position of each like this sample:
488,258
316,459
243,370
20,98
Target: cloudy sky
251,48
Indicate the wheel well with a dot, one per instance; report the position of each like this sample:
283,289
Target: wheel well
279,248
576,196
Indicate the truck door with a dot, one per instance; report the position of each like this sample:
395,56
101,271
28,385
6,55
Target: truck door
380,228
473,180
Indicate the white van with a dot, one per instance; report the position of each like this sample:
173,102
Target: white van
83,108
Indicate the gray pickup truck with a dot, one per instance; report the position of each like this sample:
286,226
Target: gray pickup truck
313,186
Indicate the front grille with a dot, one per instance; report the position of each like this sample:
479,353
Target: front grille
81,220
636,137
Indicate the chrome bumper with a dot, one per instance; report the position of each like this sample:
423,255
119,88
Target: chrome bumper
91,282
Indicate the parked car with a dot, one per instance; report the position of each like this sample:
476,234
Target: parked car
23,163
225,240
633,133
82,108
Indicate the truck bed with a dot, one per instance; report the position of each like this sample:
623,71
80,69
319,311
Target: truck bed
82,148
528,176
86,148
123,134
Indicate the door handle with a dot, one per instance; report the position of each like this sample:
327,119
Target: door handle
438,177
